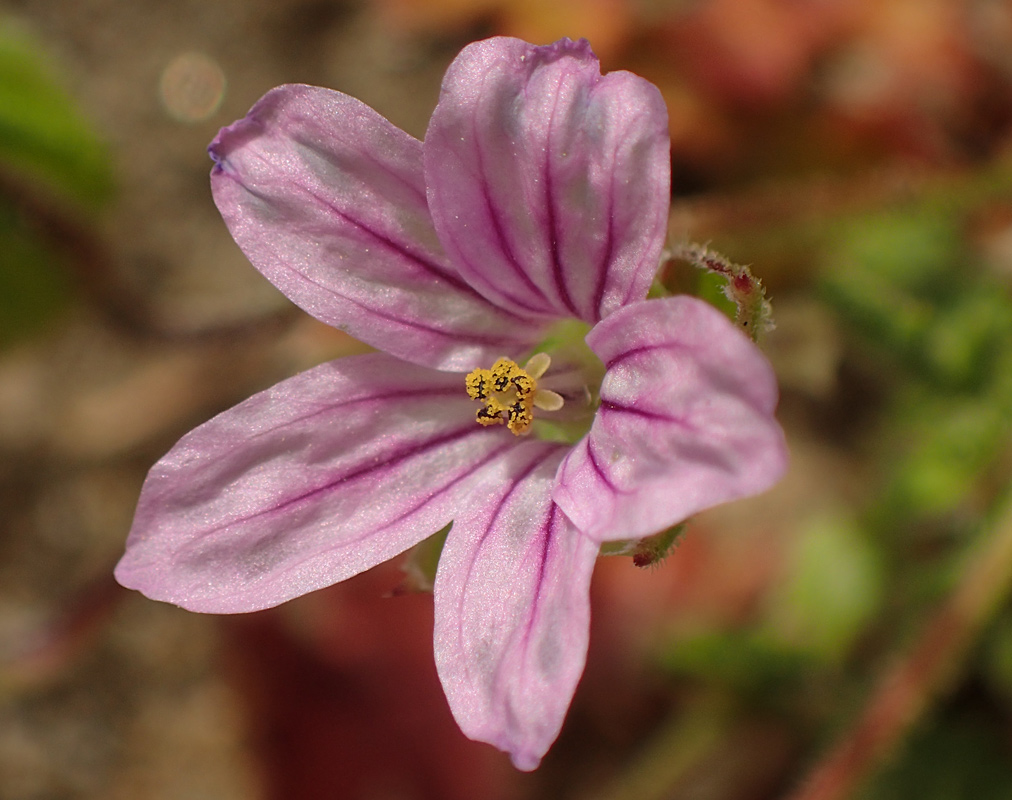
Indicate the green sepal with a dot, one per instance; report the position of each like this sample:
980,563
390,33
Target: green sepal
753,312
647,551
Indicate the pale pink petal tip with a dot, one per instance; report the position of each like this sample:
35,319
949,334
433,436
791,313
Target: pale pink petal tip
513,610
548,182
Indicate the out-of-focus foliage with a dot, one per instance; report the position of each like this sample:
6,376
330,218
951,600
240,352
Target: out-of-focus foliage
32,286
750,663
831,592
42,134
909,285
955,757
52,164
854,153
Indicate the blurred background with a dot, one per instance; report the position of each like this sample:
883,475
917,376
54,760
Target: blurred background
847,634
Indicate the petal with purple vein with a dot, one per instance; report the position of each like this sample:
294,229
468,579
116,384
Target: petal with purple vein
685,423
327,199
513,609
312,481
549,183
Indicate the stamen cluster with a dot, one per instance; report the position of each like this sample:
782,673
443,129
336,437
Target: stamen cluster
508,394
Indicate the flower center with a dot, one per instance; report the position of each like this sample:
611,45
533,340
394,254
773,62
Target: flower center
510,394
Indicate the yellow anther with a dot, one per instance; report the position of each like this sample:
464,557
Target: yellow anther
510,393
503,372
479,384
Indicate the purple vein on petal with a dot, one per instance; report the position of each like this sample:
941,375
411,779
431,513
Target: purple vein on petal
552,221
609,249
398,247
477,338
625,355
327,409
494,218
376,164
542,541
592,457
399,456
500,506
471,469
609,405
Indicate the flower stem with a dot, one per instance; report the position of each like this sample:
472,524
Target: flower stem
754,314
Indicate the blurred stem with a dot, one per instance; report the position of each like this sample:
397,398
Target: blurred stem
683,741
908,688
70,235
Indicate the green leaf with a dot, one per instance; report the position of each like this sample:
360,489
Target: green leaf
746,661
953,441
833,588
42,135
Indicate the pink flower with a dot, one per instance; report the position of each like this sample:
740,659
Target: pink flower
540,194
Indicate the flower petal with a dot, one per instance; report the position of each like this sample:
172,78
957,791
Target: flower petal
548,183
685,423
327,199
305,484
513,610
